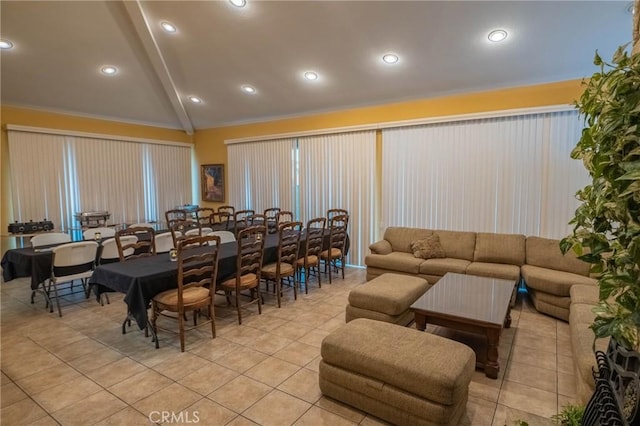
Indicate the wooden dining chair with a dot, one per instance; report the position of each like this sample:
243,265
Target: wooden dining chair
175,214
310,261
180,227
271,216
285,265
221,220
331,213
143,245
241,220
257,219
203,215
334,256
284,216
227,209
248,269
197,273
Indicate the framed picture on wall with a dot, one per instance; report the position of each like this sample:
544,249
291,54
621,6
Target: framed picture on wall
212,180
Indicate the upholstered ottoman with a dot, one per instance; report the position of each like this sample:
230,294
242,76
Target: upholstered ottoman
386,298
398,374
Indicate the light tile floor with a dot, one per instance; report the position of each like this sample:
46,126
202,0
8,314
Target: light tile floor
81,370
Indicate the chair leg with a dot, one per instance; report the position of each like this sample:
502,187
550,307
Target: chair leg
55,289
259,300
238,307
182,319
87,290
153,326
295,290
213,322
277,285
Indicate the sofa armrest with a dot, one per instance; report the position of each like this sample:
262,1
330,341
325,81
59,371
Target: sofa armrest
381,247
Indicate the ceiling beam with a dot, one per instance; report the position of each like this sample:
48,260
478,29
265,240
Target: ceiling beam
141,25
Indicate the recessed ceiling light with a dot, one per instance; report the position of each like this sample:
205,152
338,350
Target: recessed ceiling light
390,58
497,35
248,89
195,99
311,75
109,70
5,44
238,3
168,27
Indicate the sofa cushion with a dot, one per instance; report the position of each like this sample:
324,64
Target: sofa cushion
499,248
381,247
552,281
545,252
442,266
400,238
396,261
457,244
589,294
428,248
494,270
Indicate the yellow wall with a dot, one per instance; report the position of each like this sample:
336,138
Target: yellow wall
34,118
210,147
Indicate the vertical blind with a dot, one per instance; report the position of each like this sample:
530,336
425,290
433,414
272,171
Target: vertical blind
338,171
56,176
309,176
261,175
507,175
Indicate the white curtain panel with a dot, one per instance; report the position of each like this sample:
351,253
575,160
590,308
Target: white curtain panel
40,184
339,171
168,179
110,177
134,181
261,175
507,175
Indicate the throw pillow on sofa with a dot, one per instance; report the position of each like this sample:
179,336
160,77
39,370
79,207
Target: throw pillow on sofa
428,248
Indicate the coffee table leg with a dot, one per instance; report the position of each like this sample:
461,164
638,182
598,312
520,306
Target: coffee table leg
507,320
492,367
421,322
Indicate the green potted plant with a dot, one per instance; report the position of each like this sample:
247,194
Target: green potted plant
607,224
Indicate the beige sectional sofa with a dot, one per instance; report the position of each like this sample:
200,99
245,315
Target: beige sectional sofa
583,299
484,254
558,284
547,273
549,276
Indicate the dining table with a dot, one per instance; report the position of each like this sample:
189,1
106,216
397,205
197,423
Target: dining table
28,262
142,278
139,279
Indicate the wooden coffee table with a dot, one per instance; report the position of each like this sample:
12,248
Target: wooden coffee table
469,304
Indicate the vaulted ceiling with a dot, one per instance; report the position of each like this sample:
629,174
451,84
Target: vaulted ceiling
59,48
